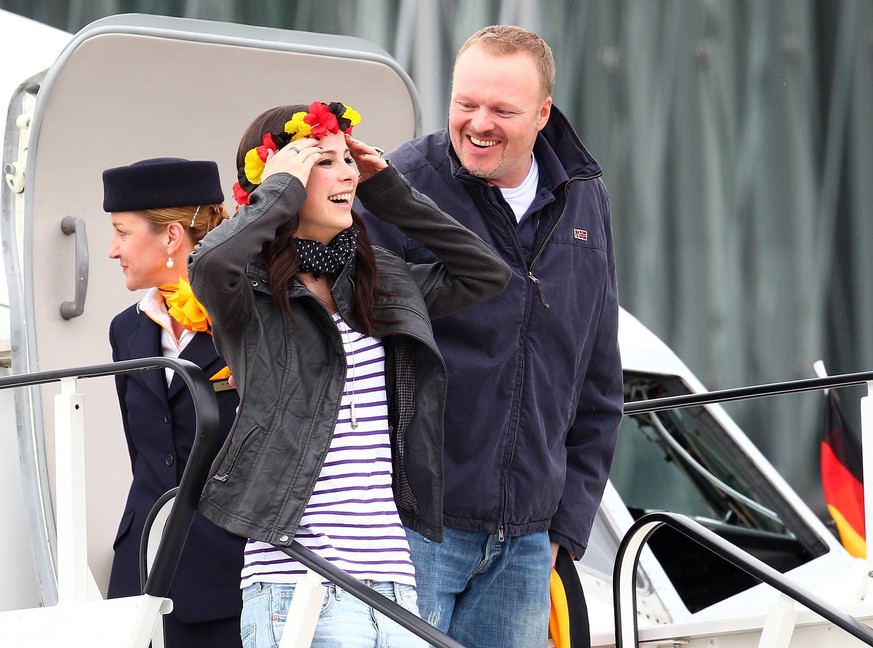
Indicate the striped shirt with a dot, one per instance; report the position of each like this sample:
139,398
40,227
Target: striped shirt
351,519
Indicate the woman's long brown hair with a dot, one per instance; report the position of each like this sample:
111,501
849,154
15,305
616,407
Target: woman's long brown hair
280,256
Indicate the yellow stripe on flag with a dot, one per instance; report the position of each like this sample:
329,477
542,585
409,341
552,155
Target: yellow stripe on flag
851,539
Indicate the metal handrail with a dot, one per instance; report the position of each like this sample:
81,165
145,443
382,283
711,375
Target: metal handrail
627,561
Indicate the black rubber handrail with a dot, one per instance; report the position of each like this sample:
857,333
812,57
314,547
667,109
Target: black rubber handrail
147,529
372,598
627,561
708,538
743,393
187,495
205,447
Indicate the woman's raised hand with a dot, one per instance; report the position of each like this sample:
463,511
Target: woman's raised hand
296,158
367,158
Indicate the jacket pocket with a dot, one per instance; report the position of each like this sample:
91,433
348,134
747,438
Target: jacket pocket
123,527
230,462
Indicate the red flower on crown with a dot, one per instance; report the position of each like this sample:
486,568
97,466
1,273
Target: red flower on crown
268,145
240,195
322,120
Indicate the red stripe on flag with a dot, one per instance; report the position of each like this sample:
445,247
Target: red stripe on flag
842,490
842,475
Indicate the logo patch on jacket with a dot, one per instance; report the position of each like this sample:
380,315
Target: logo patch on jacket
580,234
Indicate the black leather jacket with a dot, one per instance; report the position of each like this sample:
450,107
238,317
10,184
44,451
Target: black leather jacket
290,371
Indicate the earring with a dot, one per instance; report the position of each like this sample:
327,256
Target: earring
170,262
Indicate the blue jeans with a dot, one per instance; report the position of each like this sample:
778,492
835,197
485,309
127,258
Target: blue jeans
345,621
484,592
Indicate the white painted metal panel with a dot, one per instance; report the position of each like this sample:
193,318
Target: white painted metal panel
26,49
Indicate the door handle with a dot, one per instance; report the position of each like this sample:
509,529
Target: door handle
71,225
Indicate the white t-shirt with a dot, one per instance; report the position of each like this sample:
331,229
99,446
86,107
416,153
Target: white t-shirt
519,198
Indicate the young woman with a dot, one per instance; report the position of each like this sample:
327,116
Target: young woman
160,208
338,441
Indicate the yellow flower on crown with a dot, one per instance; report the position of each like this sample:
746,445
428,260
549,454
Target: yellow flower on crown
297,126
254,166
352,115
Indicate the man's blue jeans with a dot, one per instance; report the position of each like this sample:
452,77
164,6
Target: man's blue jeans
483,592
345,621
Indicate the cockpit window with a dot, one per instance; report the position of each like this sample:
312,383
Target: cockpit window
683,461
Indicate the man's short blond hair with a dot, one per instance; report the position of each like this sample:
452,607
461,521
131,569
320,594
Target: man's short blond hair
505,40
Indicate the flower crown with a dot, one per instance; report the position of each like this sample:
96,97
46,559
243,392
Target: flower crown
320,120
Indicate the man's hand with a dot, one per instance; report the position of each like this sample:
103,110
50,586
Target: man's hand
555,548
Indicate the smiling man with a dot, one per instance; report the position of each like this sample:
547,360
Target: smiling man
535,383
498,106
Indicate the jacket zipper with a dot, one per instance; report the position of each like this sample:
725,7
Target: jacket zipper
539,287
305,293
243,446
295,523
551,233
501,527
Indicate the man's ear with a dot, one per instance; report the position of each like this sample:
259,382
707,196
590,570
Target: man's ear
543,114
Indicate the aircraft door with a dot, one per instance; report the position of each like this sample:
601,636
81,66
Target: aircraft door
127,88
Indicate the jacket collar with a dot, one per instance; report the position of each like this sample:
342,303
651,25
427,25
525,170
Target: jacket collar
257,275
144,341
342,290
562,138
201,351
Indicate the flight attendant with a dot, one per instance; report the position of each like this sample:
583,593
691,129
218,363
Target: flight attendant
160,209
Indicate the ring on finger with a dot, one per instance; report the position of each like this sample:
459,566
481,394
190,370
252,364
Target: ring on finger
379,152
295,149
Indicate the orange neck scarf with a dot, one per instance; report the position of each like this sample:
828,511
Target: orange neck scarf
183,307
